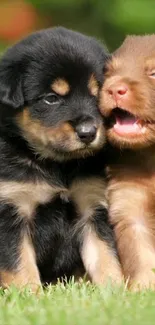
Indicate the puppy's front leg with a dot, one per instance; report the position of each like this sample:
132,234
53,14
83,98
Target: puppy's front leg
26,273
99,257
129,213
97,241
17,258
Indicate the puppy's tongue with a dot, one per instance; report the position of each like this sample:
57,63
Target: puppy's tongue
128,124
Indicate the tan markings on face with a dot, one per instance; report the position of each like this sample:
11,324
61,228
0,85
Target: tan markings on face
60,87
42,139
100,260
40,132
93,86
25,197
27,273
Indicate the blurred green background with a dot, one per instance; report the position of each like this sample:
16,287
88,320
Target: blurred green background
108,20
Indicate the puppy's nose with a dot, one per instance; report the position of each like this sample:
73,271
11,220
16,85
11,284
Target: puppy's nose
117,91
86,132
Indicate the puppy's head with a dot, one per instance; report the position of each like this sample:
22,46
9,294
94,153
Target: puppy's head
49,84
128,95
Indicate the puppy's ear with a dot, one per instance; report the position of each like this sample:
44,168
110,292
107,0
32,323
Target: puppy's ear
11,92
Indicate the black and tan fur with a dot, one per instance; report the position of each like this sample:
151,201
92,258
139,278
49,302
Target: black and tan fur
50,183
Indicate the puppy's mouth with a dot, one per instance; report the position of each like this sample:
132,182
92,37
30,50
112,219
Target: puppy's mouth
127,124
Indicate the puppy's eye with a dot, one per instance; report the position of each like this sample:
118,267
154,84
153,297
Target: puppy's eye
51,99
152,74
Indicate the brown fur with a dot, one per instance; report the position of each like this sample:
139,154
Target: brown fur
132,175
93,86
60,87
132,65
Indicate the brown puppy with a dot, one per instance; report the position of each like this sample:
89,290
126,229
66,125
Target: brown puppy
128,102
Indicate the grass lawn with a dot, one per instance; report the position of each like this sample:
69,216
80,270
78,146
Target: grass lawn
77,304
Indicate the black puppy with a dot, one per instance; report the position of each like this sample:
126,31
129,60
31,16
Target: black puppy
49,122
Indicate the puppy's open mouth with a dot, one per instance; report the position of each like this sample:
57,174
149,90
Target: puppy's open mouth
126,124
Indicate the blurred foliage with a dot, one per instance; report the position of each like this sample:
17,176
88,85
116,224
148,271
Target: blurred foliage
109,20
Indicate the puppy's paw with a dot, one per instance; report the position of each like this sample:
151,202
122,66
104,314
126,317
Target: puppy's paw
108,275
143,281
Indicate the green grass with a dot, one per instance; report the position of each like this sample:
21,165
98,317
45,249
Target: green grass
77,304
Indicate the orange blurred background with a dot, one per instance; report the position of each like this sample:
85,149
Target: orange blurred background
109,20
17,19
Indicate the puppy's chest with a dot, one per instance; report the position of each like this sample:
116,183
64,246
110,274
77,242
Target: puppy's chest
25,197
126,174
40,185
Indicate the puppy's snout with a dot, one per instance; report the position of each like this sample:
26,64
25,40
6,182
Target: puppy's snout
117,91
86,132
